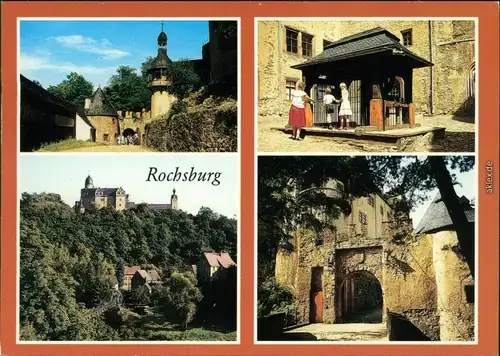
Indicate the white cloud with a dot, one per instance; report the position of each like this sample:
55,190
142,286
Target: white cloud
38,63
50,72
90,45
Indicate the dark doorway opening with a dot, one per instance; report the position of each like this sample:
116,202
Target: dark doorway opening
360,299
317,297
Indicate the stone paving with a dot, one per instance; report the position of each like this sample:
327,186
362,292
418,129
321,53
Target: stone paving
460,137
339,332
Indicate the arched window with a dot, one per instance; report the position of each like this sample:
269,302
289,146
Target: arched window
471,81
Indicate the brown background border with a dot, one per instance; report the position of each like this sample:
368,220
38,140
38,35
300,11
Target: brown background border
488,117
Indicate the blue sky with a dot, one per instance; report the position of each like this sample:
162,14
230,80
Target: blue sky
65,174
467,187
50,50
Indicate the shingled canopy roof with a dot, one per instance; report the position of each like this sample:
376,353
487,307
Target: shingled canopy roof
35,92
437,218
161,61
377,41
100,105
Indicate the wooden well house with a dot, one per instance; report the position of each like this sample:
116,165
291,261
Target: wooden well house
378,72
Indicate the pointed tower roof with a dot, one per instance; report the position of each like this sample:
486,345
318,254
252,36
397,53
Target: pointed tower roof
437,217
162,60
100,105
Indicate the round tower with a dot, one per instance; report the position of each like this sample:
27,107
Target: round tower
174,202
161,100
89,183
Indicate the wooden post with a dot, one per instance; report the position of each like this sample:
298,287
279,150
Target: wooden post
411,115
377,114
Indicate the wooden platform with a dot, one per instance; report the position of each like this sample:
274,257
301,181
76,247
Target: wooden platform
369,133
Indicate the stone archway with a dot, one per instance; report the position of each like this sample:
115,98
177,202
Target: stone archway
358,269
360,298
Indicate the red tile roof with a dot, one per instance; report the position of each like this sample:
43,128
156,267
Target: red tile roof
130,271
219,259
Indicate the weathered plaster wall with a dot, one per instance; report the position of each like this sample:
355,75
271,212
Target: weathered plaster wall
161,102
452,274
453,61
274,62
83,130
410,286
451,69
310,256
105,125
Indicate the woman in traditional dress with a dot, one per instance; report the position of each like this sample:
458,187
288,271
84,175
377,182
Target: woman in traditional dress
345,111
297,116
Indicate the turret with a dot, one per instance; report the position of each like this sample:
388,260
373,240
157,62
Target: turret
174,202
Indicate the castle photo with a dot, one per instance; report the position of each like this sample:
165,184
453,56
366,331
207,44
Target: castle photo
364,252
96,198
107,254
134,90
371,85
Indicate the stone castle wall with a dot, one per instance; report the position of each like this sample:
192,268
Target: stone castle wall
452,45
107,128
410,285
452,275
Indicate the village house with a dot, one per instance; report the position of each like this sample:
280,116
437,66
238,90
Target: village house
46,118
442,54
147,278
373,265
128,273
211,264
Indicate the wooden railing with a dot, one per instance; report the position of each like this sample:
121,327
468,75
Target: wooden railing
396,113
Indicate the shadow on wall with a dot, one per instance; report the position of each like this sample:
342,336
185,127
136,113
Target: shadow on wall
401,329
466,111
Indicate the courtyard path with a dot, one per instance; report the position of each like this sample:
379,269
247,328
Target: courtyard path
339,332
112,148
460,134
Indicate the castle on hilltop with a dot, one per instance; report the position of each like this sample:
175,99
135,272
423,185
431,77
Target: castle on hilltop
116,198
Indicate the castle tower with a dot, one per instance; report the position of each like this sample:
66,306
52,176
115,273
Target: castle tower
103,116
174,202
161,100
89,183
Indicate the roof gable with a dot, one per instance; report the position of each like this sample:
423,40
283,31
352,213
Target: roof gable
131,270
100,105
222,259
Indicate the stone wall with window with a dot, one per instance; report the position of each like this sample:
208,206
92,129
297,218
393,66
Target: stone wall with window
107,128
281,45
450,46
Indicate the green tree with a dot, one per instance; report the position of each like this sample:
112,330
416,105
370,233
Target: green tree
140,295
178,298
279,210
74,89
145,67
182,78
127,90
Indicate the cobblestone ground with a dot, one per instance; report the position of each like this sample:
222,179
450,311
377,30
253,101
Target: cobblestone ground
339,332
459,138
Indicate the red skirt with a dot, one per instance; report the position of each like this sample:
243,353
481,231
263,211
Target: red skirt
297,117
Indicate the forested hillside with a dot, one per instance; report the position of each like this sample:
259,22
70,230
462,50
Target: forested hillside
70,262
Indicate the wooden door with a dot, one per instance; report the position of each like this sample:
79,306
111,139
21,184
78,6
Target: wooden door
317,299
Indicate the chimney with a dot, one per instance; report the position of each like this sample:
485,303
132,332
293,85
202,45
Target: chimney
88,101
